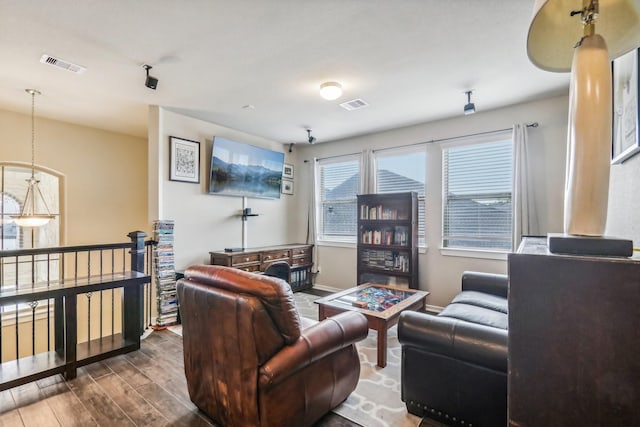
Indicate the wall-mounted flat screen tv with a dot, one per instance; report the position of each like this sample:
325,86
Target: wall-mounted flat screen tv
244,170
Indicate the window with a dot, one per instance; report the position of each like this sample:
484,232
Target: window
403,170
477,184
338,185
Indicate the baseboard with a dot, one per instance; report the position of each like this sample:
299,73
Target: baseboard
327,288
433,308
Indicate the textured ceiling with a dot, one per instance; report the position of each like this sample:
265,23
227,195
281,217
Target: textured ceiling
411,60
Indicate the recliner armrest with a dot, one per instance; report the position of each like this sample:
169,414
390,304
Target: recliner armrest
317,341
496,284
471,342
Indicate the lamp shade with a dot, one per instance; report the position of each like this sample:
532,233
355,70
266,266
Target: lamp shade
553,32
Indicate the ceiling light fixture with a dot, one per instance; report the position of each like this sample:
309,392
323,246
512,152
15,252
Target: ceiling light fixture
563,39
310,138
331,90
150,82
28,216
470,108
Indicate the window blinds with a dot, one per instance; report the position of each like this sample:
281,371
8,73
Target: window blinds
477,183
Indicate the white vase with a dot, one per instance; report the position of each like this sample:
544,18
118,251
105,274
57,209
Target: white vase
589,140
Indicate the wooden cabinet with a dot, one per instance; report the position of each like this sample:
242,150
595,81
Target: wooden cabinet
256,260
573,339
388,239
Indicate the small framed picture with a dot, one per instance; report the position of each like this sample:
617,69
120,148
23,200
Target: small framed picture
625,142
287,186
287,171
184,160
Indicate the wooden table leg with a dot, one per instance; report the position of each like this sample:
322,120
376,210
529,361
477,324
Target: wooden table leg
382,347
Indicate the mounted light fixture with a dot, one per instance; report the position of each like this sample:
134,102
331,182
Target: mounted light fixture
150,82
470,108
584,41
28,216
331,90
310,138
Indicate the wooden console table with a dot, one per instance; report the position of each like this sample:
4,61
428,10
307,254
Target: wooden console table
297,255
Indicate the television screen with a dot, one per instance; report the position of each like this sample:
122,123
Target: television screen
244,170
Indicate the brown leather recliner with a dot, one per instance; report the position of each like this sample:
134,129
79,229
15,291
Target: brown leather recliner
251,360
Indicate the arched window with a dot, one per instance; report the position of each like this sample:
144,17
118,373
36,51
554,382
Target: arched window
13,188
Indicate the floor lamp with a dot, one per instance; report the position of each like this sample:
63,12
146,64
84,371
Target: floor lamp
583,37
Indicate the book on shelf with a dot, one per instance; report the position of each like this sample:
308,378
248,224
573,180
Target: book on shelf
165,275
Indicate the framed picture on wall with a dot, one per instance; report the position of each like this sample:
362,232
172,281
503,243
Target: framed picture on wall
625,142
184,160
287,171
287,186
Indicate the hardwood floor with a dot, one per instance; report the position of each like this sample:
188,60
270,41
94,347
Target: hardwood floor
143,388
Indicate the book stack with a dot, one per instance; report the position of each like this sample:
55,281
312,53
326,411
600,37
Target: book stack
165,273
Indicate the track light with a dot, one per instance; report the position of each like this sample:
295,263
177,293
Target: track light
470,108
311,139
291,147
150,82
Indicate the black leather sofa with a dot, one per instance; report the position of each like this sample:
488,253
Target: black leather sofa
454,365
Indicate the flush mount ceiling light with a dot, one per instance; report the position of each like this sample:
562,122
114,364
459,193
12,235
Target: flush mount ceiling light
331,90
470,108
28,216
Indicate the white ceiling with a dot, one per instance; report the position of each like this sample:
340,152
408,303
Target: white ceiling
412,60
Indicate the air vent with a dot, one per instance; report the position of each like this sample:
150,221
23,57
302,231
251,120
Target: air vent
354,104
61,63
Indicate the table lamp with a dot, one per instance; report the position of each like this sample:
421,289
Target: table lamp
583,37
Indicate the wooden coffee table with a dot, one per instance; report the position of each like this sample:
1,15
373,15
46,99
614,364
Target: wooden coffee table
381,305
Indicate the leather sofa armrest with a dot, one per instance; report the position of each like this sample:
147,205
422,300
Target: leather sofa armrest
317,341
471,342
496,284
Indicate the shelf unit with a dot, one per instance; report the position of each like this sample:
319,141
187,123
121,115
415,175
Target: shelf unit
165,273
388,239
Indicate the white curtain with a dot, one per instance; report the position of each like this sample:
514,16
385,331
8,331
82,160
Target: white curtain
525,217
312,229
367,172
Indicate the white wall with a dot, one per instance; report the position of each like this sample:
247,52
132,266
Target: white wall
205,222
440,274
624,200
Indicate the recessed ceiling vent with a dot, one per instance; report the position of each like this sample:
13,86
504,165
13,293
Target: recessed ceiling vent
354,104
61,63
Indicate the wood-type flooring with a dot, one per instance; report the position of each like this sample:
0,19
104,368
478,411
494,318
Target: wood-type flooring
143,388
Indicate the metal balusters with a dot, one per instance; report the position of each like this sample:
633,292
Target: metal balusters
33,305
89,294
101,292
17,337
48,325
113,267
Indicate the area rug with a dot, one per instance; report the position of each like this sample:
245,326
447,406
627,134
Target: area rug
376,400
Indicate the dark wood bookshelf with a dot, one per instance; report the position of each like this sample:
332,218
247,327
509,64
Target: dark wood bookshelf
388,239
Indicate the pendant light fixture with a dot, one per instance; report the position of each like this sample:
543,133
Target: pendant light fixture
28,216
